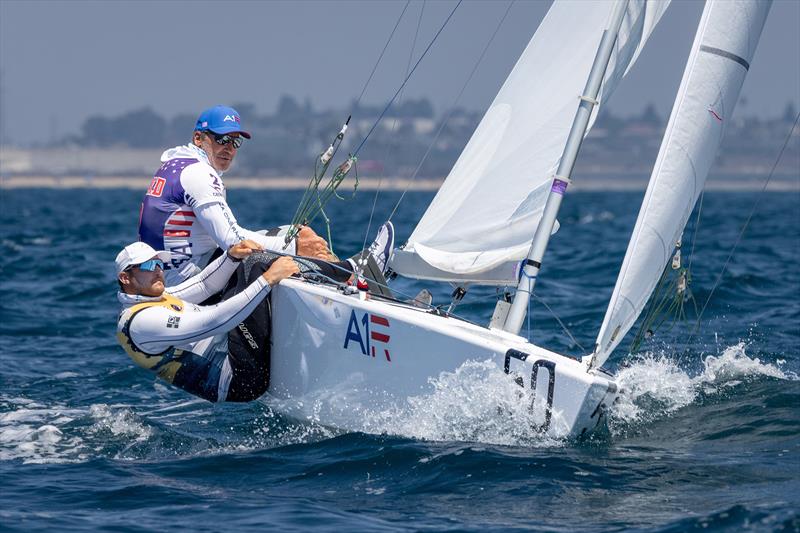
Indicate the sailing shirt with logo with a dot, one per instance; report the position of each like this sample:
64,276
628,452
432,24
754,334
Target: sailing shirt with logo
198,333
185,212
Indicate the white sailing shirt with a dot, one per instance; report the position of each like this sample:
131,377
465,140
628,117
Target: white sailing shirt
185,212
198,329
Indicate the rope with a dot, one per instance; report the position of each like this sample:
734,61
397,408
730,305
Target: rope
560,323
651,322
744,227
385,46
696,226
666,302
313,201
451,110
394,125
305,212
391,101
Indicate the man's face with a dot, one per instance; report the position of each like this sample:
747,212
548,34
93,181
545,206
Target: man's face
219,155
142,282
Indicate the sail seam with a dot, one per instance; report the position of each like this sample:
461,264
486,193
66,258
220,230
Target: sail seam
727,55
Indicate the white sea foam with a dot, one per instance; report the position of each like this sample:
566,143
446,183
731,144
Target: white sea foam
654,385
478,403
475,403
11,244
592,217
36,433
33,432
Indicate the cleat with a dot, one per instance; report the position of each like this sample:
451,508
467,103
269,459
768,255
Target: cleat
423,299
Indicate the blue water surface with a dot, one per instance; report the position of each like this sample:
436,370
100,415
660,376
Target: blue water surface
706,436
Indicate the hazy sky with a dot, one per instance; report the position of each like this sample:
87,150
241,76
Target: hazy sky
66,60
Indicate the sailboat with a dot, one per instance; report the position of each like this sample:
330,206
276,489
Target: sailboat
339,354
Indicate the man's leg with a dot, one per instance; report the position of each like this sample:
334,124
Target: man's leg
248,342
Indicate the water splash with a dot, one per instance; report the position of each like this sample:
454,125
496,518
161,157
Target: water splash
475,403
734,364
654,386
273,430
478,403
119,421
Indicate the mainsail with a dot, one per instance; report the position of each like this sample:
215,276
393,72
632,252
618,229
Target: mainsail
481,222
726,40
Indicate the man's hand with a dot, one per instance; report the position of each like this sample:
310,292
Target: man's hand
242,249
309,244
282,268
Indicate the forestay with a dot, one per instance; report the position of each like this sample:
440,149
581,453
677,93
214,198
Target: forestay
720,58
482,220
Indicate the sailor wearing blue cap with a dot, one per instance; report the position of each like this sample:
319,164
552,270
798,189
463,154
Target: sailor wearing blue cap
185,210
219,133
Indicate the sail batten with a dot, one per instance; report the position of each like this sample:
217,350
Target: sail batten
487,210
724,45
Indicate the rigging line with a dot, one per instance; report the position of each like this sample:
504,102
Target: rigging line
696,227
314,273
451,111
744,227
538,299
394,125
528,316
563,326
389,104
385,46
308,197
304,209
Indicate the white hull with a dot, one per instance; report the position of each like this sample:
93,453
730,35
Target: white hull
337,358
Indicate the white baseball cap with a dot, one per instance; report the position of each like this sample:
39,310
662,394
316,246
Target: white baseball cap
137,253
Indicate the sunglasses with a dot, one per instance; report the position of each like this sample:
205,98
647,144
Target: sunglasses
226,139
149,266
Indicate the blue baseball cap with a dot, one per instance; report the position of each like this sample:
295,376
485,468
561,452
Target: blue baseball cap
220,119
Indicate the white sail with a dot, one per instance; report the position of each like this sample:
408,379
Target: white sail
481,222
720,58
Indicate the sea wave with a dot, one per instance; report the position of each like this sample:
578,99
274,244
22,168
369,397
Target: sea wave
654,386
35,433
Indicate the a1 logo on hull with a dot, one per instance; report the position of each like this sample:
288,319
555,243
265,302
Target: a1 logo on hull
361,333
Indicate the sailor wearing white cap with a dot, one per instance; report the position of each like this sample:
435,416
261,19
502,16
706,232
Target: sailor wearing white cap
198,348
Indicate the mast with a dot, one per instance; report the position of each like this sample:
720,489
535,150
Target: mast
533,263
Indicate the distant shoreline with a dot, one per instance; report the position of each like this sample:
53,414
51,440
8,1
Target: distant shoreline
590,183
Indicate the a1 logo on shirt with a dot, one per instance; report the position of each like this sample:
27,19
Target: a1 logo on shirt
156,186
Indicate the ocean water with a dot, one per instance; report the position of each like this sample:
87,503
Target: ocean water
706,435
